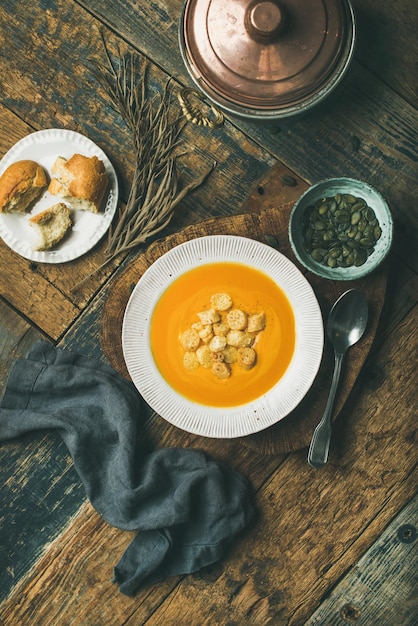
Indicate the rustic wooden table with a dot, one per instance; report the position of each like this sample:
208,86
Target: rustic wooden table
328,547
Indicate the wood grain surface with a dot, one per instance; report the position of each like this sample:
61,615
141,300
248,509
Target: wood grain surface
327,547
295,431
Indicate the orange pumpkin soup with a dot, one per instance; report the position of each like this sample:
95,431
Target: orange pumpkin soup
252,291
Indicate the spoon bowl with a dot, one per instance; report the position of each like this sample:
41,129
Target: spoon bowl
347,320
346,325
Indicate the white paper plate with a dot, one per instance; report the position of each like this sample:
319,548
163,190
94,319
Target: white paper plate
212,421
44,147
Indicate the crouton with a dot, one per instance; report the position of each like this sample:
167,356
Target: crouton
256,322
190,340
209,316
217,344
246,358
221,370
239,339
221,301
190,361
236,319
204,356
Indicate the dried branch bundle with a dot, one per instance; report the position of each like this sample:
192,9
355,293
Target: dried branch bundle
154,190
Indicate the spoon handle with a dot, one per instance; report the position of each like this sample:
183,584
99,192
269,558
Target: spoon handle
318,450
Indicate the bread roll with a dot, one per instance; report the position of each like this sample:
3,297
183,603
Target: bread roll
20,185
51,225
80,180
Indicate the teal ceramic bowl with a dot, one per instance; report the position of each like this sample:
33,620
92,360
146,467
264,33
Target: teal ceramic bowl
307,227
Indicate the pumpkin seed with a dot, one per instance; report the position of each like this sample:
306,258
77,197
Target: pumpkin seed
368,231
367,242
370,214
351,258
349,198
362,224
340,230
334,253
361,257
342,217
289,180
318,254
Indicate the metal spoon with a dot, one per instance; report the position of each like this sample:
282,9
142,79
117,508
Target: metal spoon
346,324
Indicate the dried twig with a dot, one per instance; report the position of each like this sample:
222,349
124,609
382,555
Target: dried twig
153,194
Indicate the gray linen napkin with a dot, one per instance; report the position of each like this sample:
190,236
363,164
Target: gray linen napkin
185,506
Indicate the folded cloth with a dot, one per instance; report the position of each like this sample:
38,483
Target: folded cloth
185,506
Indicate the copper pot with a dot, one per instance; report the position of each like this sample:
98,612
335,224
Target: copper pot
267,59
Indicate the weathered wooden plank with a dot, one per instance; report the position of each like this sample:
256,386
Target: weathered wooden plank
387,43
16,336
39,489
28,291
37,469
390,570
83,338
21,284
13,129
77,51
319,144
89,544
402,288
334,512
28,81
362,106
44,77
338,512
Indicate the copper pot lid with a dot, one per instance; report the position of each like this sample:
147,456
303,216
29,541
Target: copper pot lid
266,55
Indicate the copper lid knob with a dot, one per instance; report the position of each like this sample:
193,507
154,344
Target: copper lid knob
264,20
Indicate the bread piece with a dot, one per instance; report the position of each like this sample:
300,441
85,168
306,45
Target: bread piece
205,333
190,340
236,319
51,225
209,316
230,354
221,301
246,358
81,180
220,329
239,339
20,185
221,370
204,356
256,322
190,361
217,343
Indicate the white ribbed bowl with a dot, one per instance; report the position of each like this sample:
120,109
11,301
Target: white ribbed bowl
210,421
